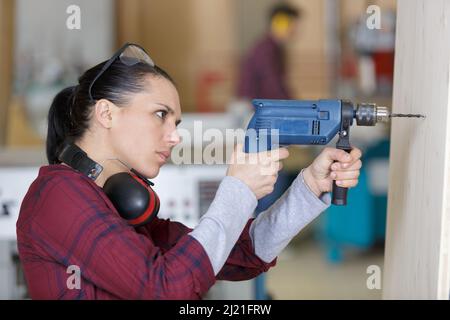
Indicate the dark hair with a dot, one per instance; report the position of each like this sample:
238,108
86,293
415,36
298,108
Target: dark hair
69,114
284,8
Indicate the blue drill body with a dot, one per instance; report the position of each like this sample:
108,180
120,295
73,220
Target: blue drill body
299,122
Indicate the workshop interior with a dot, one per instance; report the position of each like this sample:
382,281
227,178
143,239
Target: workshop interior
338,58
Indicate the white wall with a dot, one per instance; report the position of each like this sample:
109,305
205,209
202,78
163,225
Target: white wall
49,56
41,26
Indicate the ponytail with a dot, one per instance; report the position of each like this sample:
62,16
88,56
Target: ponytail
59,122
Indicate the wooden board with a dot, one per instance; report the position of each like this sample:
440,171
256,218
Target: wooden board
416,256
187,38
6,66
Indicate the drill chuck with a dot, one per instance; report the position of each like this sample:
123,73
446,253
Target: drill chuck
369,114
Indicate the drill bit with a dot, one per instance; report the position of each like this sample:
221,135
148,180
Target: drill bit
368,114
406,115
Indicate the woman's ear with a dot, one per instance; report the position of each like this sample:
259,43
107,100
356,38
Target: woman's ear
103,112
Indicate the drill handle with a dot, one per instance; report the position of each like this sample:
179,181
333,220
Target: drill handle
339,194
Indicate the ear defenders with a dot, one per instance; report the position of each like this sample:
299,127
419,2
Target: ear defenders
130,193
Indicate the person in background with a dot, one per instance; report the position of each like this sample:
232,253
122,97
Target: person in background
263,68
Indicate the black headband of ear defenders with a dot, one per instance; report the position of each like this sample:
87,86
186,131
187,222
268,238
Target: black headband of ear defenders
131,194
77,158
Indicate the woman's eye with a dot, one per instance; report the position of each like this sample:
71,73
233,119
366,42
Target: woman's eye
162,114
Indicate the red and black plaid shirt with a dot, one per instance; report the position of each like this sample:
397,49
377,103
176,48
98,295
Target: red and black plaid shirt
66,219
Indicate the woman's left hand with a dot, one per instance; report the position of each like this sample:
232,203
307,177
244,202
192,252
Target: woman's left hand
333,164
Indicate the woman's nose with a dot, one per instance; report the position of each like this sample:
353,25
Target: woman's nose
174,138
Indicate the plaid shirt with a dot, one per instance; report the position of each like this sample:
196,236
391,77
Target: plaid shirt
66,220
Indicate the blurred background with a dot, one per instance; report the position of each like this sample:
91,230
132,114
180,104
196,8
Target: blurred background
203,45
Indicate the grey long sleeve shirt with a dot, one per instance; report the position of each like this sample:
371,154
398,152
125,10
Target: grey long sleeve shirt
234,203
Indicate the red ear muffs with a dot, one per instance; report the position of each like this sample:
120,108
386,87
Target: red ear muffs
132,197
130,193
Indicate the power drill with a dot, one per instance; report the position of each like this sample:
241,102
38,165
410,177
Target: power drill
278,123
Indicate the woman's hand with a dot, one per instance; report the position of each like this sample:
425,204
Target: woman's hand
320,174
259,171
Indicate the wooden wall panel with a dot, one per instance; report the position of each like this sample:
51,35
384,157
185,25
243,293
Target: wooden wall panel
6,63
308,71
186,38
417,244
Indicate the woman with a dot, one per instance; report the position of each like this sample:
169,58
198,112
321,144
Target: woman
123,114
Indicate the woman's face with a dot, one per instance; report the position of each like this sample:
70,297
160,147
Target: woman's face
143,133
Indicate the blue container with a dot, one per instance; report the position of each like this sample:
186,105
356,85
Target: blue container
362,222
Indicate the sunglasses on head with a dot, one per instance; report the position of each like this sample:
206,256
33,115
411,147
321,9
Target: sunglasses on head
130,54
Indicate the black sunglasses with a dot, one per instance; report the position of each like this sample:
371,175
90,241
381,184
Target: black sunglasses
130,54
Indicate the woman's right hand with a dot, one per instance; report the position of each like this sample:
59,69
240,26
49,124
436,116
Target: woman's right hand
259,171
